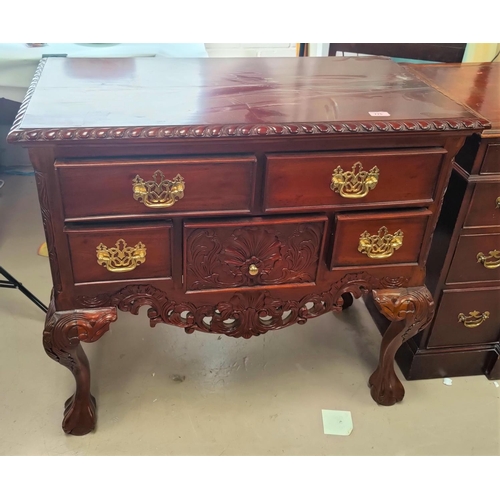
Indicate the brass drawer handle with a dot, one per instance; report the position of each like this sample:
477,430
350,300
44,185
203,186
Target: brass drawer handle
497,202
160,192
490,261
354,184
121,258
381,245
474,319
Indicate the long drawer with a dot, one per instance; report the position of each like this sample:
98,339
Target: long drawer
369,239
467,317
374,178
152,186
477,258
121,252
484,208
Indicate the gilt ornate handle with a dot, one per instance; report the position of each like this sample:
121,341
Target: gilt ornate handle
159,192
474,319
121,258
355,183
497,202
490,261
381,245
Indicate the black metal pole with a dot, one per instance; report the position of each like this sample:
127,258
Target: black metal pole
13,283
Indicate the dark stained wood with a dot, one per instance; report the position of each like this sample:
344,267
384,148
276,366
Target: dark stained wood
91,126
349,228
469,224
219,255
447,329
465,266
162,98
475,84
83,243
413,171
484,208
443,52
491,162
211,184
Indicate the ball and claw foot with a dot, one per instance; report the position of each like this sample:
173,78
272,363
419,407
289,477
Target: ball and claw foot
79,417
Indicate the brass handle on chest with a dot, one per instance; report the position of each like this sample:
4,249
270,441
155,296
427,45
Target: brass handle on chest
474,319
121,258
355,183
159,192
381,245
490,261
497,202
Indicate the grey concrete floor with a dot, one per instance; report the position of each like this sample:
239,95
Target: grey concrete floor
262,396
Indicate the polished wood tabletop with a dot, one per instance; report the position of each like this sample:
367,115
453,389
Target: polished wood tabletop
475,84
309,93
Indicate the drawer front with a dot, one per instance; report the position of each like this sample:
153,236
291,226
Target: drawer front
477,258
485,206
116,187
491,162
467,317
121,253
340,179
378,238
252,253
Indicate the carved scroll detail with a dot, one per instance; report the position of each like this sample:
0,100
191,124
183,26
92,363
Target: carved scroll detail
242,315
252,256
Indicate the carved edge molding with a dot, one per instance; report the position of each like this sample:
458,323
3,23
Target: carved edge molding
29,93
237,130
242,315
49,230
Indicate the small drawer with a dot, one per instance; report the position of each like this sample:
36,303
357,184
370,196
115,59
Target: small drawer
467,317
491,162
252,252
151,186
378,238
485,206
121,252
323,180
477,258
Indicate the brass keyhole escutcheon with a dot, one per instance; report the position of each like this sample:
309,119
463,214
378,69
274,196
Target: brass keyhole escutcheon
253,270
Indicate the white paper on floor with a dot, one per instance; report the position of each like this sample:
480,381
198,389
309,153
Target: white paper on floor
496,384
447,381
337,422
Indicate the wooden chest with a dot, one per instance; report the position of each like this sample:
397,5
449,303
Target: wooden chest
236,196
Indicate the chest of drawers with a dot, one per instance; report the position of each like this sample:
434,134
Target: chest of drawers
464,262
235,196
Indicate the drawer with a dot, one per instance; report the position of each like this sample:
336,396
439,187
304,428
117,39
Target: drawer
467,317
152,186
378,238
320,180
121,252
252,252
491,161
477,258
484,209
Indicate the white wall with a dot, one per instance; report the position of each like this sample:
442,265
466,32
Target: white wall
251,49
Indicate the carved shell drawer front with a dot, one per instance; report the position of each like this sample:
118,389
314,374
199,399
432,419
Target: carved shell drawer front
246,253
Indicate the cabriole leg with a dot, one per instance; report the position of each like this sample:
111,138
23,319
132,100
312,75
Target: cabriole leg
63,332
410,310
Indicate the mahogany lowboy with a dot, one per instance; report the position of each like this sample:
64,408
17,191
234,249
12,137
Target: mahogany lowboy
236,196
